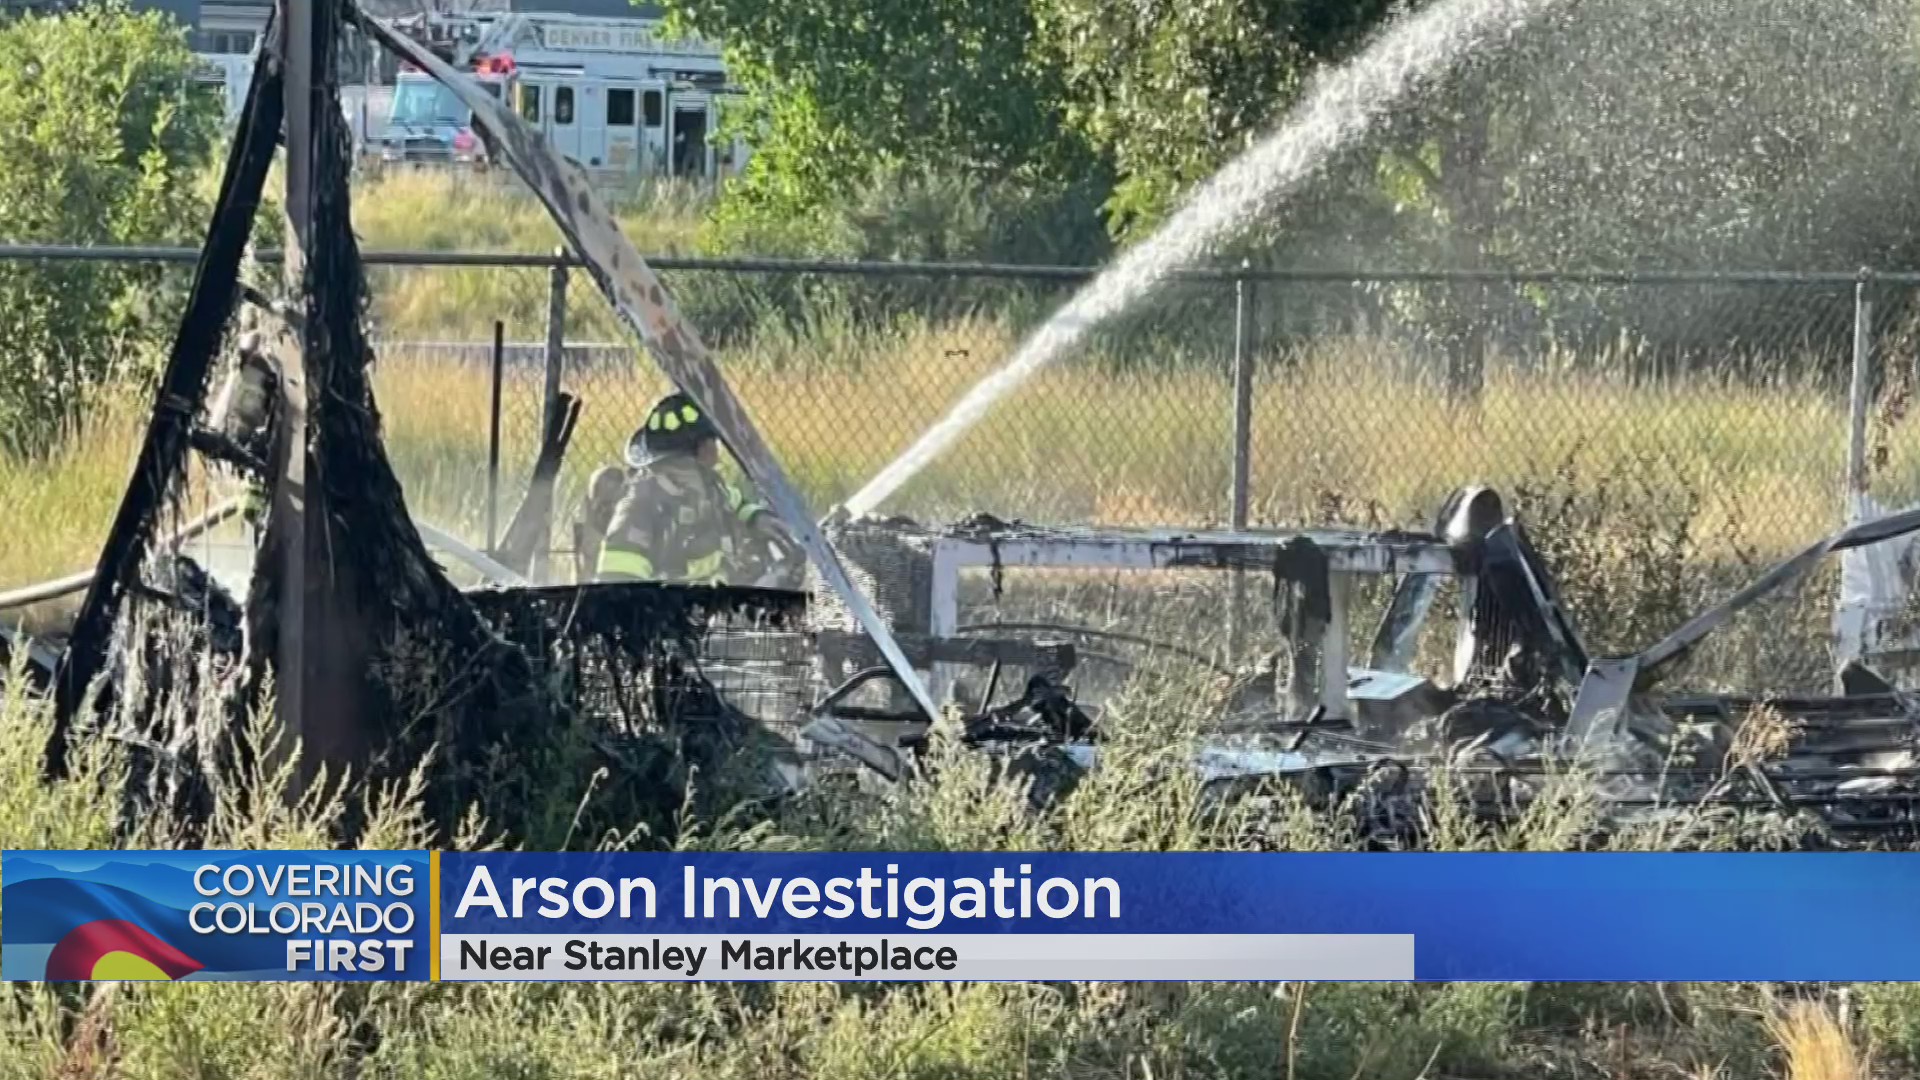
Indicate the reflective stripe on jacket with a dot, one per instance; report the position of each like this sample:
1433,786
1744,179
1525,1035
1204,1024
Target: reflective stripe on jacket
677,522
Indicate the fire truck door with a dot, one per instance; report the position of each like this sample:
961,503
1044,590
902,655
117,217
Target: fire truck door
623,129
690,152
531,99
653,127
591,124
563,121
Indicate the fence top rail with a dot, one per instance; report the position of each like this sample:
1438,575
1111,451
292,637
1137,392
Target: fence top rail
1017,271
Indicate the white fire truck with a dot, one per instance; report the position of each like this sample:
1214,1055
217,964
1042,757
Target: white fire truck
612,94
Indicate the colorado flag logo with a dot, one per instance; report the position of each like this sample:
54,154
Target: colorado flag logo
59,929
115,950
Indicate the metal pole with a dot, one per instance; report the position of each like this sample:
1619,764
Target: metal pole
290,498
550,391
1861,389
1856,625
493,437
556,335
1243,347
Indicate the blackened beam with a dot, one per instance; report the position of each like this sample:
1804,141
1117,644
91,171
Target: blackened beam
643,303
183,387
532,522
288,543
1680,641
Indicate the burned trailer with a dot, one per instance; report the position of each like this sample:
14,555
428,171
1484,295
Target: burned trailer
1522,700
1513,646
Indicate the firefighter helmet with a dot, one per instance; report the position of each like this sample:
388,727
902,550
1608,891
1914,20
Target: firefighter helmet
675,423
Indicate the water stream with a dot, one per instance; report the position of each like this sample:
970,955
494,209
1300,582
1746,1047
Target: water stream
1339,107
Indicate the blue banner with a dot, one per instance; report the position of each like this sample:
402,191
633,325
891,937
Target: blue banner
323,916
1470,917
326,916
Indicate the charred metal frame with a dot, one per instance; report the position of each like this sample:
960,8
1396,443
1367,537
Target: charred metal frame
1346,552
1604,704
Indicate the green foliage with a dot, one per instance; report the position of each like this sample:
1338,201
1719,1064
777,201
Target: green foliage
838,89
893,214
1172,90
1632,134
1890,1012
102,131
910,212
1053,94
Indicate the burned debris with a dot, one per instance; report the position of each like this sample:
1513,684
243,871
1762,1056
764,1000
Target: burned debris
349,630
1525,700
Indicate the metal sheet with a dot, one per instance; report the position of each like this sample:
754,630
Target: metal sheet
1859,535
643,303
1606,694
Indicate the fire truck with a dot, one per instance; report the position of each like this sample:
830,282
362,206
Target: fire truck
615,95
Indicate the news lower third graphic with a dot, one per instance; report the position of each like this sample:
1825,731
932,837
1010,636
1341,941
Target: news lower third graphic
844,917
922,917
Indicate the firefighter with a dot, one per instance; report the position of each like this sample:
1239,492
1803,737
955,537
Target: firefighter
676,519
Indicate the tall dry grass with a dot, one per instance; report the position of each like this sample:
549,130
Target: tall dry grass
1816,1043
1079,443
1084,1031
1082,443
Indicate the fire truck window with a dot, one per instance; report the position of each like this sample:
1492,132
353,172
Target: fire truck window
563,105
651,103
530,104
492,88
619,108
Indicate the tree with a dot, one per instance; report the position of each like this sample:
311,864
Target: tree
1173,89
839,89
103,131
1650,134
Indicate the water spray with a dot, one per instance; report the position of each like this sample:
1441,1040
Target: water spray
1340,106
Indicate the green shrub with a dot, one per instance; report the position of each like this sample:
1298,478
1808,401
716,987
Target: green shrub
102,135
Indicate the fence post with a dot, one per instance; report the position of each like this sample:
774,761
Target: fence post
493,438
1861,390
550,388
1243,350
1856,627
556,333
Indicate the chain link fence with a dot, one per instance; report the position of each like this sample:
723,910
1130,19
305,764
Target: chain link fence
1364,401
1665,436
